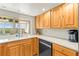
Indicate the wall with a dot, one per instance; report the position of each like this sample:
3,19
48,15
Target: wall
20,16
59,33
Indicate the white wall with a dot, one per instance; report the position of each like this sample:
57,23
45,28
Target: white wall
20,16
59,33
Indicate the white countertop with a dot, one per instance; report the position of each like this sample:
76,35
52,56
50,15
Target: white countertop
62,42
14,38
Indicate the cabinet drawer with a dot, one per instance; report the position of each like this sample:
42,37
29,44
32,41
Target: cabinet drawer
66,51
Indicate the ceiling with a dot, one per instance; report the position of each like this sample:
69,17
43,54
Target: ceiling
31,9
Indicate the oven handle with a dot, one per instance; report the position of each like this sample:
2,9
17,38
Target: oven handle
46,44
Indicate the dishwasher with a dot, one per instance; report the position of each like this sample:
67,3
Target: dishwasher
45,48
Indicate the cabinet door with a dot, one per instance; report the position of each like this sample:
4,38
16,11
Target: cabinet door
1,50
63,50
41,22
27,49
13,50
37,21
56,18
56,53
78,54
47,19
70,15
35,44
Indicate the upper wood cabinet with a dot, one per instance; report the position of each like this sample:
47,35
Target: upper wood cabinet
56,17
47,19
70,15
37,20
65,16
43,20
62,16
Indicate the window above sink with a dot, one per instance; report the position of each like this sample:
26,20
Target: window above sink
13,26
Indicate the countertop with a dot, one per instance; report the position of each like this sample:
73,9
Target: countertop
62,42
65,43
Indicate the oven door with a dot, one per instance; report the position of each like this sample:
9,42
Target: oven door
45,48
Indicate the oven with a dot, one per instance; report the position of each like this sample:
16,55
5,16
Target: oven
45,48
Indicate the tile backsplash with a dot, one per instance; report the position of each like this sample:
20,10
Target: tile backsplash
59,33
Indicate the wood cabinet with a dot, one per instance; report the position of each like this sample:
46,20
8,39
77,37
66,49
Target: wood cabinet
37,20
1,50
65,16
35,44
47,19
18,48
56,53
70,15
13,50
78,54
56,17
62,16
25,47
43,20
59,50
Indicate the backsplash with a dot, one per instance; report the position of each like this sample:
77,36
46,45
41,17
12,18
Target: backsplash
59,33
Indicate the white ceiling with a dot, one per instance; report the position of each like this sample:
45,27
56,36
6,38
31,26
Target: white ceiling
32,9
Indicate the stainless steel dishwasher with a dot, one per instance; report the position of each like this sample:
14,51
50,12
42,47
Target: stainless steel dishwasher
45,48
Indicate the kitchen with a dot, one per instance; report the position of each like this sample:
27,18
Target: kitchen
48,30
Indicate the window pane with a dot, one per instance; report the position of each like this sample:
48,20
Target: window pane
17,25
8,25
1,25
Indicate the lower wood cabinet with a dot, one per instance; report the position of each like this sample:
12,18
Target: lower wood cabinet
56,53
59,50
1,50
27,50
30,47
78,54
12,50
35,44
25,47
